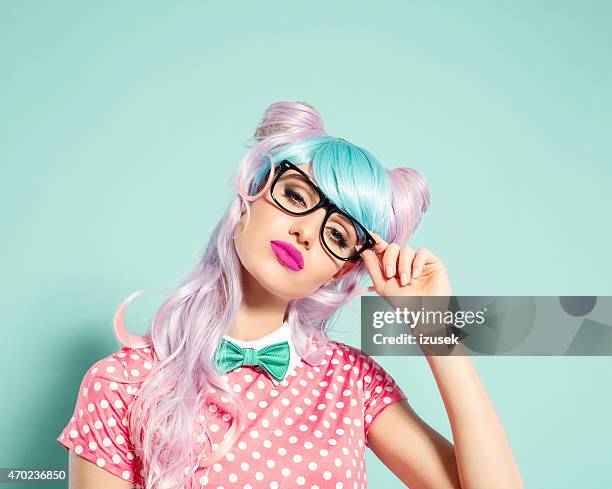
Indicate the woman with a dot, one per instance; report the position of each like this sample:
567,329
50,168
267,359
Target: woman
237,384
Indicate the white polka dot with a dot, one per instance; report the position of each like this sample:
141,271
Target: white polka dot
118,404
85,428
110,369
259,476
327,475
98,425
107,442
93,445
217,467
78,449
312,466
125,474
74,433
285,471
104,404
130,456
111,422
91,407
233,477
214,428
100,462
300,481
120,440
116,459
244,466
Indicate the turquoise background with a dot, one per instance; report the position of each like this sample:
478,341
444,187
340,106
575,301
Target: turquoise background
122,122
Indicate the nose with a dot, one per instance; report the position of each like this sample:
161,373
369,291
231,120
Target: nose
308,227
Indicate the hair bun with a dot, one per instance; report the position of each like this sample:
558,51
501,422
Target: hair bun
289,117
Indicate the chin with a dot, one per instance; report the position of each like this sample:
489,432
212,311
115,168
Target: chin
264,267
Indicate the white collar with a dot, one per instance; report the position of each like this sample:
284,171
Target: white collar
282,333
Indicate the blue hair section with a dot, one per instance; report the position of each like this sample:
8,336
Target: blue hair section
349,175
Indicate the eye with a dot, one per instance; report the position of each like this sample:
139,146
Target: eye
294,196
338,237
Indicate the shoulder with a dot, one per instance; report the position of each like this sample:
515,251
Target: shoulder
126,365
351,355
367,370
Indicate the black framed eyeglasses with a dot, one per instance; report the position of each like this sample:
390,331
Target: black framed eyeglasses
296,193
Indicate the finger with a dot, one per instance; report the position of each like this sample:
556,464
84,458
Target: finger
419,261
406,257
390,259
381,244
372,264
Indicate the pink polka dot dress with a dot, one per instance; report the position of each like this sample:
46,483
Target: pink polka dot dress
308,430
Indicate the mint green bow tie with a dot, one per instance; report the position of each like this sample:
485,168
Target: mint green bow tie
274,358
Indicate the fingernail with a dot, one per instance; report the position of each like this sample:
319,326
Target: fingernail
403,278
389,271
415,273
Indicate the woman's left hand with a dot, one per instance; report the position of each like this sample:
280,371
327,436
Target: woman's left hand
402,271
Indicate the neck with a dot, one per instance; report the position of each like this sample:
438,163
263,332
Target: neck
260,312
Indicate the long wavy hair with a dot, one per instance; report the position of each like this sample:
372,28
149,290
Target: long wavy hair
189,324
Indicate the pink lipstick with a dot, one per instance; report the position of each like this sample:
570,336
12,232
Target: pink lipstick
288,254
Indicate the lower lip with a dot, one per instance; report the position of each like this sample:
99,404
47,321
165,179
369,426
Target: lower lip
285,258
